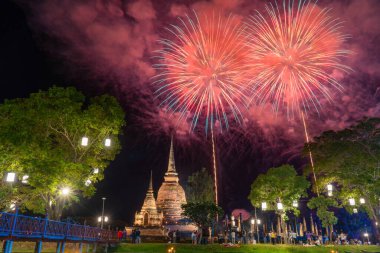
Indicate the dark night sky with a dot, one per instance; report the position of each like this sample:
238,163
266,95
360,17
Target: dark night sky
40,48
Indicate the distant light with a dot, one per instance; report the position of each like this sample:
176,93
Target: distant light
84,141
376,223
65,191
351,201
100,219
295,203
280,206
329,193
253,221
12,206
362,201
355,210
50,203
88,182
96,170
11,177
329,187
233,223
258,221
25,179
264,206
105,218
365,234
107,142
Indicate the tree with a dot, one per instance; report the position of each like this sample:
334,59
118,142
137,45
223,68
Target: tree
350,160
199,187
322,204
279,185
202,213
41,137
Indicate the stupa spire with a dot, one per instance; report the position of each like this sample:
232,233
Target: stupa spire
171,164
150,189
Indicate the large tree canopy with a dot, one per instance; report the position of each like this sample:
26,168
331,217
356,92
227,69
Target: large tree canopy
203,213
281,184
199,187
41,137
350,160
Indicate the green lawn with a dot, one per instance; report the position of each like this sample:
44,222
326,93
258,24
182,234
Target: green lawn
188,248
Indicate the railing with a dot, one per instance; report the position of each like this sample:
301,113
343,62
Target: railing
14,226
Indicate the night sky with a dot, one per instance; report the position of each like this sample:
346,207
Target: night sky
106,47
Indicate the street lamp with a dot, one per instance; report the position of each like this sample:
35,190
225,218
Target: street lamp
96,170
362,201
84,141
351,201
102,221
264,206
367,236
355,210
295,203
329,187
280,206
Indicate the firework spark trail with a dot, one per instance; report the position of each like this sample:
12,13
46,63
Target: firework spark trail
201,70
293,51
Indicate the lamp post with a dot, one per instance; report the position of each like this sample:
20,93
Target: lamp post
102,219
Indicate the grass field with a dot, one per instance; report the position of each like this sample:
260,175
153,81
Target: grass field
188,248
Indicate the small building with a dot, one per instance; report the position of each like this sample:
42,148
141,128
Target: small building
149,216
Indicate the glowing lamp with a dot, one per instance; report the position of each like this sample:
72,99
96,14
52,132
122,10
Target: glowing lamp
25,179
11,177
280,206
329,187
258,221
355,210
264,206
329,193
295,203
105,218
84,141
96,170
362,201
351,201
253,221
87,183
107,142
100,219
365,234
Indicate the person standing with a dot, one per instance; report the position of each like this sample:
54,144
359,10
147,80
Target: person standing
138,238
233,237
174,236
193,237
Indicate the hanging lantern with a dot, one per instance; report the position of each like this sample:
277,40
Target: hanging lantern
351,201
84,141
264,206
280,206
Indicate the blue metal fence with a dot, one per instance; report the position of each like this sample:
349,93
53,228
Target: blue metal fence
14,226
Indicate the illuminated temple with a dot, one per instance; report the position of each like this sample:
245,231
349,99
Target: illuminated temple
167,209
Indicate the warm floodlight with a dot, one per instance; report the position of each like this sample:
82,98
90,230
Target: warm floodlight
11,177
65,191
107,142
84,141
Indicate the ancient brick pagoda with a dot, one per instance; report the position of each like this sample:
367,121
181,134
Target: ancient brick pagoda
170,197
